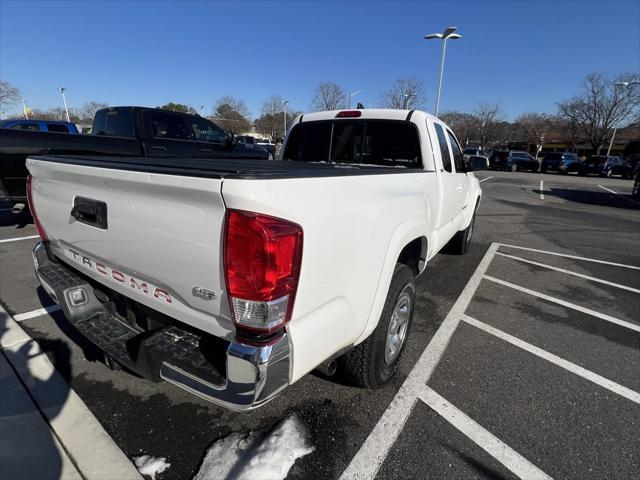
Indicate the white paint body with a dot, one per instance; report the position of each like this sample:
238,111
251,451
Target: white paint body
168,229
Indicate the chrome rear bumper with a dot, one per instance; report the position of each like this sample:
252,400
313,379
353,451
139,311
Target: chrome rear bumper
253,376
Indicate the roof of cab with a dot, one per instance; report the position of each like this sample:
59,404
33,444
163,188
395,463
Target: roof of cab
376,113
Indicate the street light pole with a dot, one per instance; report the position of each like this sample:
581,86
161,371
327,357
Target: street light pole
284,132
201,110
615,129
448,34
353,94
64,99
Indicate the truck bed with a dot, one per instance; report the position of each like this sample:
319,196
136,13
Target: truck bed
224,168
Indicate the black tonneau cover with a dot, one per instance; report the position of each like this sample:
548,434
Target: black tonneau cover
224,168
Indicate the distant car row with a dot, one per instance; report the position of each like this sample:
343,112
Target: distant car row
564,163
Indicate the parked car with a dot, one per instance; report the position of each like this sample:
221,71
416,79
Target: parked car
40,125
617,167
474,152
267,144
513,160
553,160
132,131
233,279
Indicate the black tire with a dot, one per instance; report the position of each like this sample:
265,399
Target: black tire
460,242
365,365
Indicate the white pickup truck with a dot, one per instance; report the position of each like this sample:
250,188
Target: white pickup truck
232,279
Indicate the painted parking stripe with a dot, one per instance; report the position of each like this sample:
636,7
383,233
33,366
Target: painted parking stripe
17,239
561,362
569,272
573,306
541,190
374,450
574,257
36,313
485,179
619,195
491,444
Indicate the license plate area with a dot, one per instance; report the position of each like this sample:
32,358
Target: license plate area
90,212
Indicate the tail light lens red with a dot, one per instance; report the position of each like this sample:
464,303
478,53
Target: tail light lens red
32,209
262,257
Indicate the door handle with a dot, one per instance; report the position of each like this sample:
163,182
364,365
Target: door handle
158,147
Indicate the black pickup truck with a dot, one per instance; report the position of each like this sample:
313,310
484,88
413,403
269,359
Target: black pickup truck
118,131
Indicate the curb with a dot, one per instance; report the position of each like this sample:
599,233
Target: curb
89,446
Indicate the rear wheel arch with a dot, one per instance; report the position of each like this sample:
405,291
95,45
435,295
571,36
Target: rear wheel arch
414,255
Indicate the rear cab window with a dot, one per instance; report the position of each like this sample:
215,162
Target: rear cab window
386,143
114,123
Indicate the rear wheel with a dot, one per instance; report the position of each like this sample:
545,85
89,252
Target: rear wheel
372,363
460,242
635,192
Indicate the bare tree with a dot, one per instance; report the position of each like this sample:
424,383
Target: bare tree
328,96
8,95
464,125
537,127
602,106
487,116
89,110
270,123
231,114
406,93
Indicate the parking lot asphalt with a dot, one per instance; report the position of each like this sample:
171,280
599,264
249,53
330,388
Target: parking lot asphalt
537,373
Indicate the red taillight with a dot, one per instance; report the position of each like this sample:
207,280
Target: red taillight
262,257
349,114
32,209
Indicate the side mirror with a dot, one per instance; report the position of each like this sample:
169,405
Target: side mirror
478,163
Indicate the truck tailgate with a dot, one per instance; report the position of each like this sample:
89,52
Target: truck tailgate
159,244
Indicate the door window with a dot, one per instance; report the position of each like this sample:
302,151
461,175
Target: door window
458,158
57,127
444,148
206,131
171,127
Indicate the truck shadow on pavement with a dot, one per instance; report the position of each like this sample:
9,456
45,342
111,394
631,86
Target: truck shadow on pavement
589,197
31,396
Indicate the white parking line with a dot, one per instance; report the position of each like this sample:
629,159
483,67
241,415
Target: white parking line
373,451
485,179
619,195
7,240
36,313
541,190
491,444
588,311
574,257
550,357
569,272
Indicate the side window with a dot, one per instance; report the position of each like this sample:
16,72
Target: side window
26,126
458,158
56,127
206,131
170,127
444,148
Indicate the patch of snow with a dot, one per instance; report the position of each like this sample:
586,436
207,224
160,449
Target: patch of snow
148,465
248,457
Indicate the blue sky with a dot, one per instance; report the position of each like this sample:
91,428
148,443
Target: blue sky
526,55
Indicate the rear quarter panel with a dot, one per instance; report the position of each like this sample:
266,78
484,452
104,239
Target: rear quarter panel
354,228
